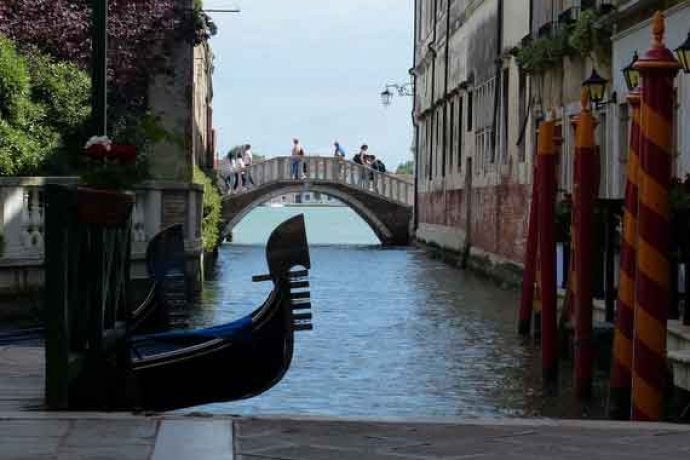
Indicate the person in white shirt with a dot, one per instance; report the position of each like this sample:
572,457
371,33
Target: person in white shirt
240,175
247,159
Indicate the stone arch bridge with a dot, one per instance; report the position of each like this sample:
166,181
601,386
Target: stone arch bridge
382,200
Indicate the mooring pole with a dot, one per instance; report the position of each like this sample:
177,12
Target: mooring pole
583,208
529,275
546,169
619,393
657,70
99,66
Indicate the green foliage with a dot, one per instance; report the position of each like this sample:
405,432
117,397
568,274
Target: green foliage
544,53
14,81
211,220
44,106
405,168
591,33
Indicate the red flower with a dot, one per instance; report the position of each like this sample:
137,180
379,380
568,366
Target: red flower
123,152
97,151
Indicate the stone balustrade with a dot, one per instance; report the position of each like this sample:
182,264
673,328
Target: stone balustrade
158,204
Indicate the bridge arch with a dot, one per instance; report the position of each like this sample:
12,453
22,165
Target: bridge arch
383,201
380,229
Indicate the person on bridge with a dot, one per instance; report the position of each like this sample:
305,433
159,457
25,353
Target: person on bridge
247,159
339,151
297,158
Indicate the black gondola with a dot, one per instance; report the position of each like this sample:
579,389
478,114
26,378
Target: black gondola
166,266
234,361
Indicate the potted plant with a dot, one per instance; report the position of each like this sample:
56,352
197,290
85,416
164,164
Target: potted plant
110,170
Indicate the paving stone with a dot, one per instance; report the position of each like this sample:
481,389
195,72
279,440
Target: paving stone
197,439
105,433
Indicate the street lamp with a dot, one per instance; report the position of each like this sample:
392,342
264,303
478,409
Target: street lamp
386,97
404,89
632,75
683,54
596,86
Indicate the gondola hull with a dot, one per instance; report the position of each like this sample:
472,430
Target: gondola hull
180,369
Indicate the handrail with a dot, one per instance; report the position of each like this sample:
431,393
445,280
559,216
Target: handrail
325,169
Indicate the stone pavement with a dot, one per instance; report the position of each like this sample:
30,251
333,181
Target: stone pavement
43,435
27,433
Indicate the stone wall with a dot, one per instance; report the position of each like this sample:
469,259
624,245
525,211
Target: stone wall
498,218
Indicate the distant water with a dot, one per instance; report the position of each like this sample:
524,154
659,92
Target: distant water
396,332
325,226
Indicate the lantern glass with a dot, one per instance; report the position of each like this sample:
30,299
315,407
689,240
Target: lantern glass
683,54
596,85
386,97
632,75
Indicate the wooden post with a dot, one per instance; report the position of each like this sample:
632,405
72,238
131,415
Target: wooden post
657,69
99,66
610,249
546,169
619,393
57,345
583,209
529,275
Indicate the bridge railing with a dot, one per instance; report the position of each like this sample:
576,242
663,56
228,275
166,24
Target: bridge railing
328,169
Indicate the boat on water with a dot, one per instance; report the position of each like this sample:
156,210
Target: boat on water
184,368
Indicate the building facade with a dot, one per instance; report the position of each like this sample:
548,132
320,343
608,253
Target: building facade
471,99
481,88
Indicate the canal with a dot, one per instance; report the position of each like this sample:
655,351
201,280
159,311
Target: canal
397,333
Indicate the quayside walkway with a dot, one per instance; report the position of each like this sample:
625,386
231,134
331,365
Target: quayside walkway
29,432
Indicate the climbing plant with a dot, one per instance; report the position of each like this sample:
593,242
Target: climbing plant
211,220
591,33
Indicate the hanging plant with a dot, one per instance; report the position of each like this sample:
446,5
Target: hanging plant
544,53
592,34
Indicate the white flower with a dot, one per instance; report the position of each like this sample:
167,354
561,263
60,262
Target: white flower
99,140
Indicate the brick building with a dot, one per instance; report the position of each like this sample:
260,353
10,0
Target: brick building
481,87
471,101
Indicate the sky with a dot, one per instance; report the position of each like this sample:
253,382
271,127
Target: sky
312,69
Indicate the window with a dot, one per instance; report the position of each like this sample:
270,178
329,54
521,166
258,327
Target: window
460,136
431,145
522,114
506,112
451,129
469,110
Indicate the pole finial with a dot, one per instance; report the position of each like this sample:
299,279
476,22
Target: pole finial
584,100
658,30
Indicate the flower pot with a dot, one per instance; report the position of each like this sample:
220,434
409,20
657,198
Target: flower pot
103,207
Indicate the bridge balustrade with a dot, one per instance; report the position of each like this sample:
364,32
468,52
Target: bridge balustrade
330,170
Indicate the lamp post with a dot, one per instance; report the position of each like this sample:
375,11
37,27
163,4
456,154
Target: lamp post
631,74
596,86
683,54
402,90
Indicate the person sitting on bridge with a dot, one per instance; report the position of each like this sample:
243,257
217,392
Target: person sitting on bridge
377,165
247,159
339,151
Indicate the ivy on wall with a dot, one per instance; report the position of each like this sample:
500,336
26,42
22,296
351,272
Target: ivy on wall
211,220
589,36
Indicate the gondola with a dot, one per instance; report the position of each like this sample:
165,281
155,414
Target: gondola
180,369
165,263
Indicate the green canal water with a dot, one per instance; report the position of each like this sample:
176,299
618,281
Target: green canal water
396,332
